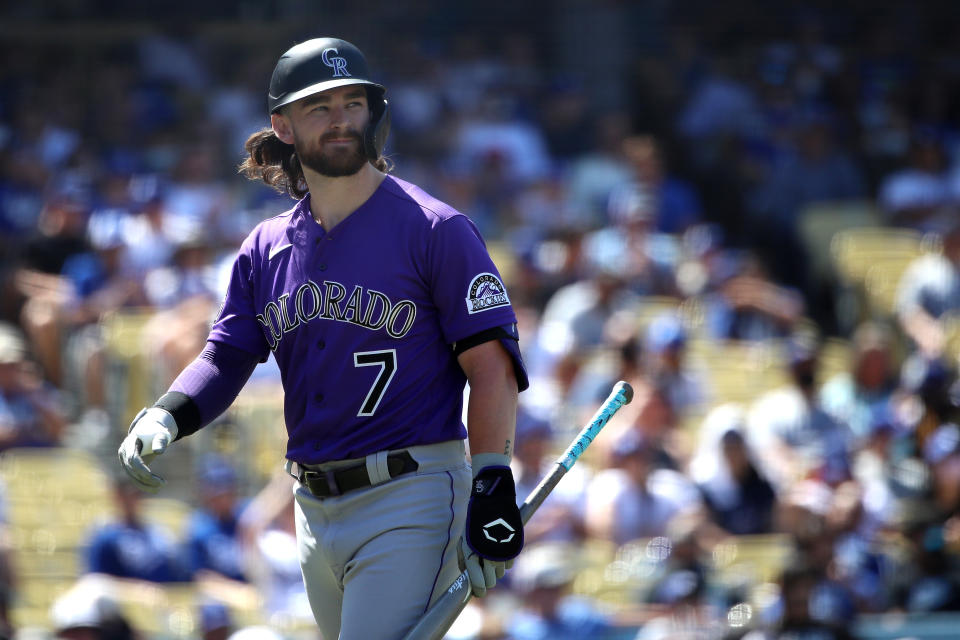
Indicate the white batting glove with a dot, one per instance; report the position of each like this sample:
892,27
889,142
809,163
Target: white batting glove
483,573
150,433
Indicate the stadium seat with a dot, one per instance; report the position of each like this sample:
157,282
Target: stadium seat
821,221
753,559
129,373
870,260
170,513
739,371
258,411
836,356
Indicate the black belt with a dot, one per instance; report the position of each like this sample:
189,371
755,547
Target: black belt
335,482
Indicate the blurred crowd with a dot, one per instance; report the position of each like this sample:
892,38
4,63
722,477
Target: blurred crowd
643,194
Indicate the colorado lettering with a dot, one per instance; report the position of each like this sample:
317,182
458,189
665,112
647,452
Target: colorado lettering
335,293
369,309
376,298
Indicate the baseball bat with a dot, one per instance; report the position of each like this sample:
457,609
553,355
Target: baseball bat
438,619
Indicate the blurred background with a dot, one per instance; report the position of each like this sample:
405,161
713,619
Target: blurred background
747,209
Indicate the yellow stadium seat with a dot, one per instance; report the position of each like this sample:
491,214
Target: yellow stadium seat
836,356
169,513
504,259
821,221
55,496
871,260
739,371
24,617
52,472
40,593
259,413
123,335
751,559
651,307
60,564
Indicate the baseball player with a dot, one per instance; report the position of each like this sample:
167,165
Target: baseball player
378,303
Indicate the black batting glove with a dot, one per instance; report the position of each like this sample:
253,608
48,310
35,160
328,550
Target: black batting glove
494,528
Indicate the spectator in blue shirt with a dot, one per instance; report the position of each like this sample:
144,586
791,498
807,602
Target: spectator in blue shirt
133,548
213,538
543,576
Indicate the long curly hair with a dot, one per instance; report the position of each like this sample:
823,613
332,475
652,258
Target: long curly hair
275,162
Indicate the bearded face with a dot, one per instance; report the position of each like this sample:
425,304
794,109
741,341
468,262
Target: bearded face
329,159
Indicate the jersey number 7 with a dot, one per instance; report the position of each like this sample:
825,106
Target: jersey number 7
387,361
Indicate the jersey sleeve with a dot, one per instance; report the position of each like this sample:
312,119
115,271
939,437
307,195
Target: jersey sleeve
469,292
210,383
237,324
467,288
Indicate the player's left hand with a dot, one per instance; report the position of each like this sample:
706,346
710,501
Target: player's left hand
151,431
494,529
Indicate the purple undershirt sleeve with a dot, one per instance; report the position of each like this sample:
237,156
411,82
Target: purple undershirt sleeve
215,378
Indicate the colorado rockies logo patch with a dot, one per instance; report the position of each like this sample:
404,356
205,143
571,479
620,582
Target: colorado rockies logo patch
486,292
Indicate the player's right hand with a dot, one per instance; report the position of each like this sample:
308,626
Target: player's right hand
151,431
493,534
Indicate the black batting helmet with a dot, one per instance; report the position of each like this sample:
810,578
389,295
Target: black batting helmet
326,63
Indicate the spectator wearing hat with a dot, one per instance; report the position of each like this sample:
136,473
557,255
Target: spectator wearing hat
560,517
149,240
190,273
665,348
737,497
88,612
632,246
543,576
855,396
791,431
673,203
857,564
213,533
574,318
185,295
131,547
633,498
928,293
916,193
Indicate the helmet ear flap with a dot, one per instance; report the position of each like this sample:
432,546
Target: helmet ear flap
375,137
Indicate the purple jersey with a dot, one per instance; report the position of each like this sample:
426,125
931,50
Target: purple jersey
361,320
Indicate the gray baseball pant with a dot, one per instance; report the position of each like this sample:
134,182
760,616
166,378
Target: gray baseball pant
374,559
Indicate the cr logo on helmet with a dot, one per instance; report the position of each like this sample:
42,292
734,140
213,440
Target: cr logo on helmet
337,63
